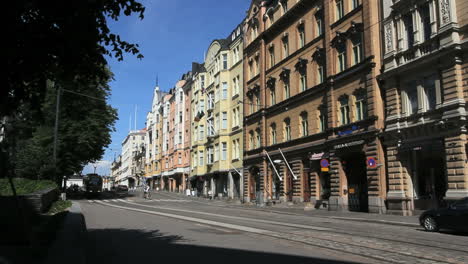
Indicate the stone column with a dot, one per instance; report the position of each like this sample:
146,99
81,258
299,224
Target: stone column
457,171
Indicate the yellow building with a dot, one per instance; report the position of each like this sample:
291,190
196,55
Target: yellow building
217,120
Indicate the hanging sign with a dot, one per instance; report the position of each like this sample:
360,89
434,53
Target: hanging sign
371,163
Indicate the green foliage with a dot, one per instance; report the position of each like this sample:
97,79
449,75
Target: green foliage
51,44
24,186
59,206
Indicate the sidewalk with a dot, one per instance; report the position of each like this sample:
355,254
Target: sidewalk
69,246
410,221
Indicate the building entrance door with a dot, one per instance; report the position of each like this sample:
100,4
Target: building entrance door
254,184
354,166
306,175
289,186
429,180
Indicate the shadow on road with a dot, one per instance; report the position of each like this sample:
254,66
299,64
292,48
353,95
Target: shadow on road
120,246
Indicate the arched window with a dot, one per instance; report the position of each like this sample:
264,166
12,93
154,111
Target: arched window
304,124
251,140
258,138
361,104
344,109
322,118
273,134
287,129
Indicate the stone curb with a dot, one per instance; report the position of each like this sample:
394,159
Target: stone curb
69,246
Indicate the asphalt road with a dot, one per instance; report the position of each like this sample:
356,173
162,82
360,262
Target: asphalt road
181,230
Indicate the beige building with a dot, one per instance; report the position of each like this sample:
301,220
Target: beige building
153,139
217,128
425,80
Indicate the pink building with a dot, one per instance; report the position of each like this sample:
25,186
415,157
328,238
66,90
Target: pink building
176,137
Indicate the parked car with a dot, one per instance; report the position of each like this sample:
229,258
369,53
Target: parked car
122,188
454,217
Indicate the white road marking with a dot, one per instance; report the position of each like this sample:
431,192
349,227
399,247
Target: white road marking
91,201
236,217
193,219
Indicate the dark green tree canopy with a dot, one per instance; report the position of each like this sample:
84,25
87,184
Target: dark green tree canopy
50,44
56,39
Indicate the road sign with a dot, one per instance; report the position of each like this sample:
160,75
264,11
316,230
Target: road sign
325,169
324,163
371,163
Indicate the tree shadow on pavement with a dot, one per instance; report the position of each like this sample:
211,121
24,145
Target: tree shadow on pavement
120,246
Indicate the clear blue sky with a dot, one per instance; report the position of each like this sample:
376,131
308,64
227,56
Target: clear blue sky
172,35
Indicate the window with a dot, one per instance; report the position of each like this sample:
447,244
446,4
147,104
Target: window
210,155
357,48
408,22
202,82
354,4
339,9
319,73
180,158
201,106
224,151
361,106
257,66
225,90
426,21
251,70
341,58
287,129
344,110
273,134
303,82
411,91
251,140
272,56
430,92
287,91
322,119
319,23
304,125
272,96
195,159
224,123
301,34
180,137
180,117
251,104
181,96
284,5
257,101
285,47
225,61
202,132
258,138
216,152
201,157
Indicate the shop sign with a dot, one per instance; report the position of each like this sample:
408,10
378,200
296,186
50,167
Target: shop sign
317,156
349,144
325,169
348,132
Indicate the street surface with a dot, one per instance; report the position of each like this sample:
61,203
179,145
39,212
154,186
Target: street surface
179,229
